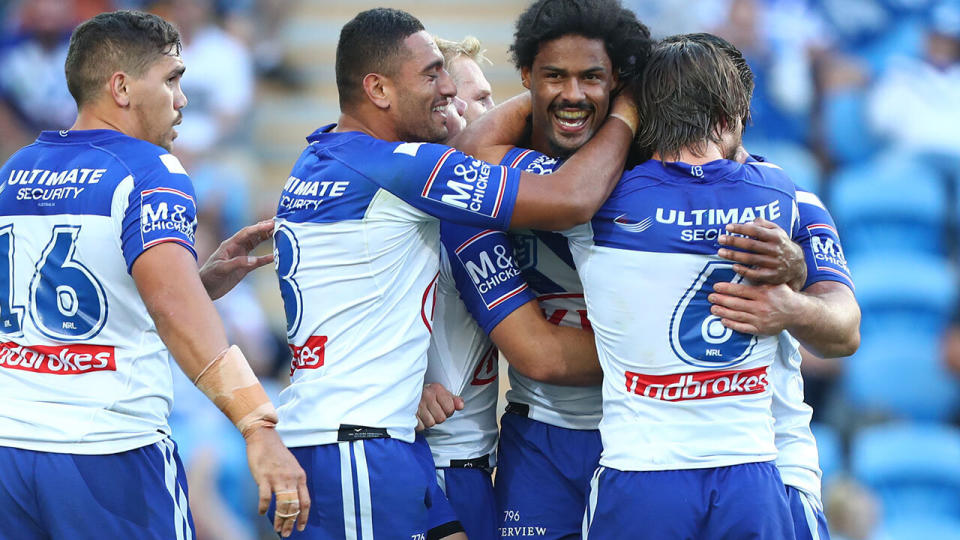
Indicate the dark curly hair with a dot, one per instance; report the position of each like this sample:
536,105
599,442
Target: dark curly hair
117,41
626,39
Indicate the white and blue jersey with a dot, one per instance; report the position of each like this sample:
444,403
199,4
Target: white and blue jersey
680,390
82,369
357,244
547,266
479,285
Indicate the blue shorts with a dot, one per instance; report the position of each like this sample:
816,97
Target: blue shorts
470,492
364,489
809,523
722,503
441,518
140,493
543,476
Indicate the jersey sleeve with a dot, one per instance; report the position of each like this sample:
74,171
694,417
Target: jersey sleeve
487,277
818,237
160,208
436,179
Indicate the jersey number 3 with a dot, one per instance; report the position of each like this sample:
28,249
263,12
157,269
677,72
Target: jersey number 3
696,335
67,302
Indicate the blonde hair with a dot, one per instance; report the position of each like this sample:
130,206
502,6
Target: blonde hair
468,46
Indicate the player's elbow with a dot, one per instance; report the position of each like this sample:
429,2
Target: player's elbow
571,212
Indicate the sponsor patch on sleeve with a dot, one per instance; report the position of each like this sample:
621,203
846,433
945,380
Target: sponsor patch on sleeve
468,184
827,252
490,268
167,214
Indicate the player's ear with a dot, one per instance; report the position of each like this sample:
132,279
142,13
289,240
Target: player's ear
119,86
379,90
525,76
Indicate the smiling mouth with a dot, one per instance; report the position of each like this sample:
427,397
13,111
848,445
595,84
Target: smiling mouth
571,120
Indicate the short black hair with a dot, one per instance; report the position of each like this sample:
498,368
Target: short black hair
123,40
371,43
691,90
626,39
746,74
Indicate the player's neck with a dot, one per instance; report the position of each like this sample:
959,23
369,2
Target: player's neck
689,156
365,123
91,118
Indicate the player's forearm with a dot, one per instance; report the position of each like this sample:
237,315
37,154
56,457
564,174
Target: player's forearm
189,325
828,323
574,192
545,352
490,136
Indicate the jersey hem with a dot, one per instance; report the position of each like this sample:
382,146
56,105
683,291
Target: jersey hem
85,448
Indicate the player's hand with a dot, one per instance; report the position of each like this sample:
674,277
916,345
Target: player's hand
763,310
278,473
436,405
768,256
232,260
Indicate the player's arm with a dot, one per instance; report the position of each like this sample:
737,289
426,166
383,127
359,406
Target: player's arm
498,130
232,261
764,253
169,284
825,317
546,352
575,191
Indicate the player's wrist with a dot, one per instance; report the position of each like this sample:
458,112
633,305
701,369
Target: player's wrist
232,386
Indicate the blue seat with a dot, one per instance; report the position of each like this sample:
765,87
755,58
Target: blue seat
896,202
914,468
900,373
924,528
897,290
798,162
829,448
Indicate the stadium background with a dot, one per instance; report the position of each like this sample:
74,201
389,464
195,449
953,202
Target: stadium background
859,100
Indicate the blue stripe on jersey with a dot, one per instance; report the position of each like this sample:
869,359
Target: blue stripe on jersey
484,270
337,176
670,220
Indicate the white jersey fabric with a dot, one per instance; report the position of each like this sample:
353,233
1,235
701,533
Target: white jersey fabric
82,369
357,244
465,361
547,266
680,391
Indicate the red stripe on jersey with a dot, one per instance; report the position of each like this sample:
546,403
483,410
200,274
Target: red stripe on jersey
436,170
507,296
822,226
166,239
500,192
559,295
423,303
470,240
522,155
165,190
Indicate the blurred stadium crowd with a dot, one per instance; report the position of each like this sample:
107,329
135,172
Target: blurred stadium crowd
859,100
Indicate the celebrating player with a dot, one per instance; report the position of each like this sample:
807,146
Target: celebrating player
688,441
100,287
357,255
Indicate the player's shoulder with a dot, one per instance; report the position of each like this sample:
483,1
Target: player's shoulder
529,160
769,175
142,159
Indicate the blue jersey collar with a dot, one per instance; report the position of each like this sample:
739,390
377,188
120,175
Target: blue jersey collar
680,171
73,136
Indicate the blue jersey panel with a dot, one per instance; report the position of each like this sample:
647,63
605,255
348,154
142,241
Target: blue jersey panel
433,178
162,208
820,242
670,220
487,277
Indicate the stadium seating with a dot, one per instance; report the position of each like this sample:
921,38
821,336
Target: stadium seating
799,163
829,448
914,468
897,203
926,528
